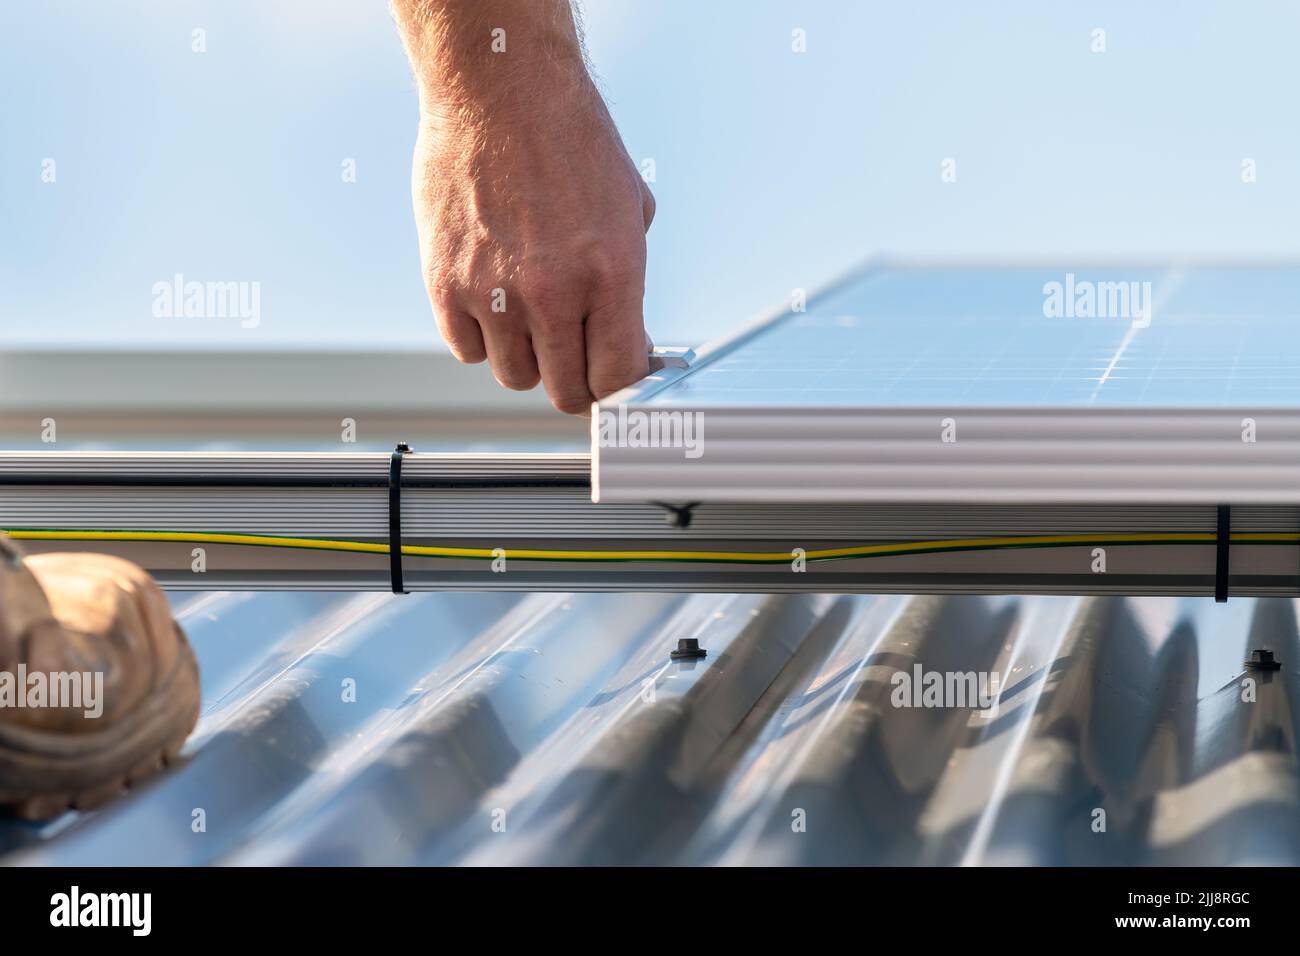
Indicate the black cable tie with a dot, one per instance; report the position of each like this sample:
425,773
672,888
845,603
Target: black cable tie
1223,539
395,517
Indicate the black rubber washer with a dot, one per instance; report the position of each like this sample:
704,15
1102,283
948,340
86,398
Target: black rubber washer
1223,539
395,517
688,649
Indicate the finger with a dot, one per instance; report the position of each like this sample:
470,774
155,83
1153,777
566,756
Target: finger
647,205
462,334
511,353
562,361
616,353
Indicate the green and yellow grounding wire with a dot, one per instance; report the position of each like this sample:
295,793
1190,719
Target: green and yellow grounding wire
889,549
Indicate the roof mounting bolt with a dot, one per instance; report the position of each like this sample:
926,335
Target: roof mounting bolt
1262,660
688,649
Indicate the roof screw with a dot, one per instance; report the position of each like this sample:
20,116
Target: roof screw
1262,660
688,649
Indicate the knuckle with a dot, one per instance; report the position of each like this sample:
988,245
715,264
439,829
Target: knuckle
443,282
617,269
548,293
443,298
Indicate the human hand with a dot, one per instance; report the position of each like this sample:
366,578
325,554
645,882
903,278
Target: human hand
531,215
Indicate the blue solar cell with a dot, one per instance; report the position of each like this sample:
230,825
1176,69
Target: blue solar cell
921,337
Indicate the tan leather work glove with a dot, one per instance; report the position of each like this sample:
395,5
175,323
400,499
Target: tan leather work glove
98,685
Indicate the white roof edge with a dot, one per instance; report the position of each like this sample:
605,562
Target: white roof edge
263,381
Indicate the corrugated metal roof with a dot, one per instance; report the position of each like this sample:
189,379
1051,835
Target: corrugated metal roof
552,728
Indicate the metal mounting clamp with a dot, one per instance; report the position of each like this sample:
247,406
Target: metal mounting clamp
670,356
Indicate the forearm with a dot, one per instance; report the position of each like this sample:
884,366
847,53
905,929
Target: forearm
475,59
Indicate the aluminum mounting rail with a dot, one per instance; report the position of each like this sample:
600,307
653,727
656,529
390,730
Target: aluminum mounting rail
293,520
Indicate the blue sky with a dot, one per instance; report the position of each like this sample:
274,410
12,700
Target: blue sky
774,169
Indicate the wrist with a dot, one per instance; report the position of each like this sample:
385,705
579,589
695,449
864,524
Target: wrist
528,93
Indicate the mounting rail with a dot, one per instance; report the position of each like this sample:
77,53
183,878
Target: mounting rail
290,520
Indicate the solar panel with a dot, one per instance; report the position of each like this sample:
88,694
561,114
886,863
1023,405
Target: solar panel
927,383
